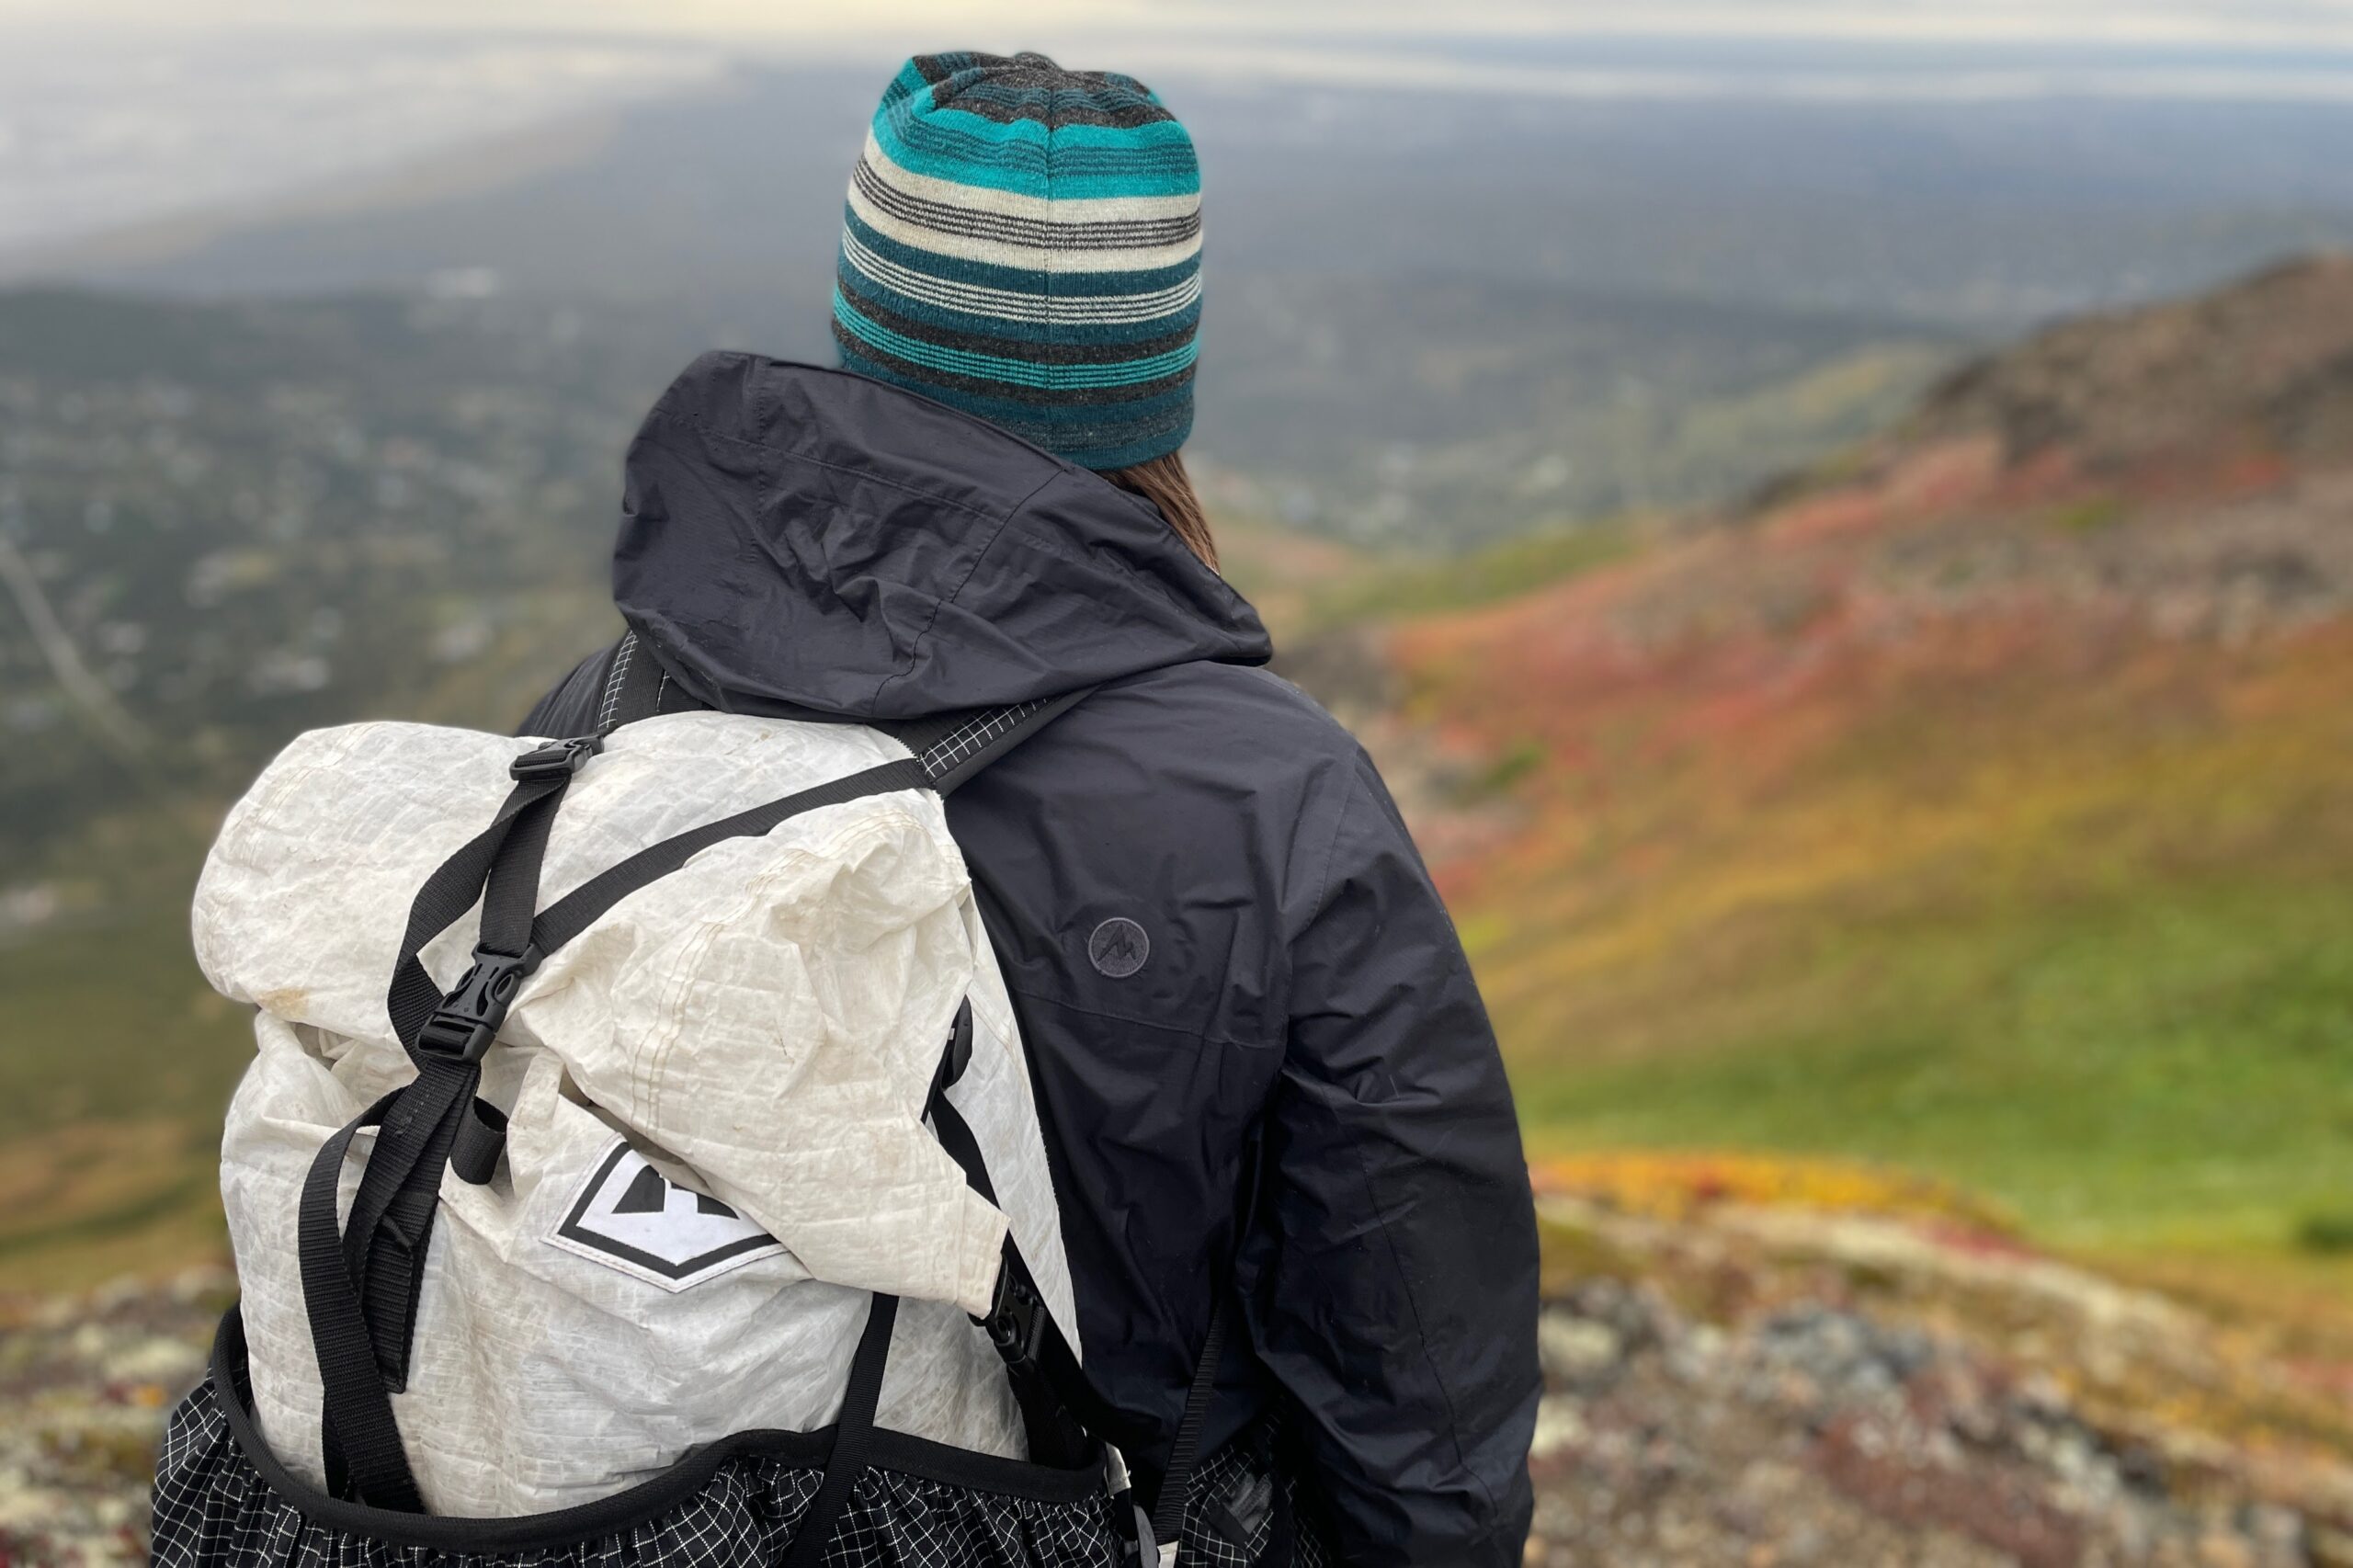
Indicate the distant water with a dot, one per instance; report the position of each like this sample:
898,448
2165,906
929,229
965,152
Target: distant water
98,133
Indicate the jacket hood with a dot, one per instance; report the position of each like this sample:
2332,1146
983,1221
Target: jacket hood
801,539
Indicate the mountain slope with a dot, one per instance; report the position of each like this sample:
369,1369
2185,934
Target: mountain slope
1982,804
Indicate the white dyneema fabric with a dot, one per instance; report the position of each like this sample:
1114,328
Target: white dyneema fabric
751,1037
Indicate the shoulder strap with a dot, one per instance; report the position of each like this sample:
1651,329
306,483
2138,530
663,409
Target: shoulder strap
1059,1409
1176,1480
953,747
974,741
636,687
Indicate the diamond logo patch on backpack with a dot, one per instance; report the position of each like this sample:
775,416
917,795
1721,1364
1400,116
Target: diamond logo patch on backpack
629,1216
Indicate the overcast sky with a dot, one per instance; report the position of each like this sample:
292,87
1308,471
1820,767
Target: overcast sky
2271,23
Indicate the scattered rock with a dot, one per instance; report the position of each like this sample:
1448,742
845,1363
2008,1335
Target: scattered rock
84,1382
1577,1351
1739,1404
1937,1417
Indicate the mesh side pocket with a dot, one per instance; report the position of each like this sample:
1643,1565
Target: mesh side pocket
906,1521
214,1509
1242,1498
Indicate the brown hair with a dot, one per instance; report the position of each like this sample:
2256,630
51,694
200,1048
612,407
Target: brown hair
1163,481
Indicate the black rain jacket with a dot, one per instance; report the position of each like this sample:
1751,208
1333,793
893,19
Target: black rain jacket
1296,1090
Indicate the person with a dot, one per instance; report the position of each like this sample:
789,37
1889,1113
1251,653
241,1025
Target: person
1264,1070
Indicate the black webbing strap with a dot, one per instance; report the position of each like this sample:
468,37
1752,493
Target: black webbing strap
954,747
635,687
955,1135
581,908
1057,1402
361,1285
390,1223
448,894
1176,1480
1018,1322
853,1439
1168,1519
359,1406
481,1140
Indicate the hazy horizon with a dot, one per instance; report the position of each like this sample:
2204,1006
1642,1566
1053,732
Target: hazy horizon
125,114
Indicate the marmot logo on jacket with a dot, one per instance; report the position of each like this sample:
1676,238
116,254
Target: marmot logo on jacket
1119,948
629,1216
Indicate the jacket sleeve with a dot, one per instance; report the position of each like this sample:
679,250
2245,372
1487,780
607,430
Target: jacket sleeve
1394,1287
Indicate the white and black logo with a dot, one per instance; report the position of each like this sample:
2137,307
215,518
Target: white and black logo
629,1216
1118,947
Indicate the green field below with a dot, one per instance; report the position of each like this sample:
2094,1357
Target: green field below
112,1021
2163,1070
117,1062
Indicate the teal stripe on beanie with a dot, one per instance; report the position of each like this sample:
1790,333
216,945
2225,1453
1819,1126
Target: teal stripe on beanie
1080,161
1104,439
983,121
1154,404
1023,241
1001,368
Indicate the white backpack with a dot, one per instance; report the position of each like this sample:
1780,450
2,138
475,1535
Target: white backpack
639,1158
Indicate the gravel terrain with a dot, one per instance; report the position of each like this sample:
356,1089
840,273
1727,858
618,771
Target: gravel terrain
1725,1386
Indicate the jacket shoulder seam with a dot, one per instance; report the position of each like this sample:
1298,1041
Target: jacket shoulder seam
1066,1005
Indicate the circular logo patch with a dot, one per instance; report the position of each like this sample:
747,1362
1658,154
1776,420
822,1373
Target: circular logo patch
1118,947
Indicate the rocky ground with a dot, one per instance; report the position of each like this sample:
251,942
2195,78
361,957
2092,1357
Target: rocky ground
1732,1383
84,1385
1728,1383
1817,1433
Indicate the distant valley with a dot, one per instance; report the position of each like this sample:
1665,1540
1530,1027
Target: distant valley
1435,319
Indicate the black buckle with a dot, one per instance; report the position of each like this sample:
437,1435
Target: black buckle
1016,1320
467,1021
561,759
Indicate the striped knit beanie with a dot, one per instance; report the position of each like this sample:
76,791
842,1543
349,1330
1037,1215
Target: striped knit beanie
1024,242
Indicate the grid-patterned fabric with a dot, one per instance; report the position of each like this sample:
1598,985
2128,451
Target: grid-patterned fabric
1239,1485
960,745
618,682
213,1510
1024,242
